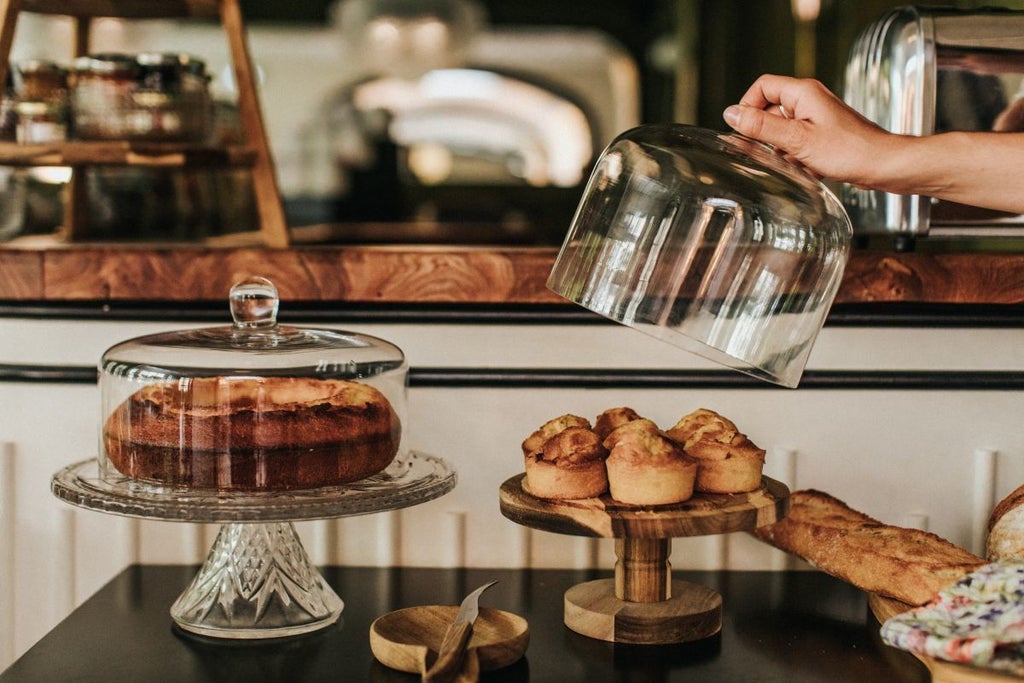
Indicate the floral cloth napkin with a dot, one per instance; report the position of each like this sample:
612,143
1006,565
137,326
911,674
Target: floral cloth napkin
978,621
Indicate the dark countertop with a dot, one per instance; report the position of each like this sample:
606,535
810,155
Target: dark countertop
778,626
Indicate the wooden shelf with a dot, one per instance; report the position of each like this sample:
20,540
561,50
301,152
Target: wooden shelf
273,226
123,153
127,9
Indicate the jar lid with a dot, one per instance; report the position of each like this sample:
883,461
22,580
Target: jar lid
39,66
254,345
185,62
106,63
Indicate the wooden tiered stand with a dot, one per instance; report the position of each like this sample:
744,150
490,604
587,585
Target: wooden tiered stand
643,605
255,152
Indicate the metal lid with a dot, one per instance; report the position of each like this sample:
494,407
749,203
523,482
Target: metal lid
106,63
185,62
39,66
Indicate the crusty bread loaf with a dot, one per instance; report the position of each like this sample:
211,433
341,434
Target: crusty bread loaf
1006,529
909,565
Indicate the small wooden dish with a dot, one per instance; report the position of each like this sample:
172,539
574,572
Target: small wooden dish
409,639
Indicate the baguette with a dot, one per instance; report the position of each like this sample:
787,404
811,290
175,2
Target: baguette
909,565
1006,529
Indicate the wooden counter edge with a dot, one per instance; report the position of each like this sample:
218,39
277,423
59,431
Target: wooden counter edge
433,274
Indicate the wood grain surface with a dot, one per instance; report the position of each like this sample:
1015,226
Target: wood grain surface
704,514
43,270
942,672
692,612
409,639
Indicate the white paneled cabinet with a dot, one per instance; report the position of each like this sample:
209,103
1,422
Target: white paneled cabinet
931,458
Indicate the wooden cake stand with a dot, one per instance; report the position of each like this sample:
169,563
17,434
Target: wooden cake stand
643,605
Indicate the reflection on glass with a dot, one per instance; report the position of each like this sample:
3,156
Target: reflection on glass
710,242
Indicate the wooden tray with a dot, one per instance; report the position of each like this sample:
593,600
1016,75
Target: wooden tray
703,515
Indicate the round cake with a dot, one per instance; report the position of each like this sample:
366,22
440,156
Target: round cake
253,434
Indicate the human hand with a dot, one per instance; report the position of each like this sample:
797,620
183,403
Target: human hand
809,124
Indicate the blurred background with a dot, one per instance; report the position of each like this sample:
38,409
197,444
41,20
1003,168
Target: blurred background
471,121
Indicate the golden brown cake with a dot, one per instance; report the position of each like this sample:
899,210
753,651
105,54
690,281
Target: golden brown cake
728,462
645,467
253,434
613,418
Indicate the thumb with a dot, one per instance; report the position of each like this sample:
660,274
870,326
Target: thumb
758,124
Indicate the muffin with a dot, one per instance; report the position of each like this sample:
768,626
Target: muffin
612,418
645,467
568,463
728,462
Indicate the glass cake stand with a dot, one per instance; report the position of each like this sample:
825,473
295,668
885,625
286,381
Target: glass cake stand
258,581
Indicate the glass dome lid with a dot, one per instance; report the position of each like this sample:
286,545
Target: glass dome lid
254,343
254,406
711,242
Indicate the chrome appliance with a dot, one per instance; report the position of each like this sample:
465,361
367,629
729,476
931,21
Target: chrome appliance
920,71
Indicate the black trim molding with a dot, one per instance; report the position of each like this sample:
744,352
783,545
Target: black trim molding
342,312
586,378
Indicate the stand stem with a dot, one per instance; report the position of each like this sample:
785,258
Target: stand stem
257,582
643,572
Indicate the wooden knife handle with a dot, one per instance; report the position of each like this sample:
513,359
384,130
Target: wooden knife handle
451,655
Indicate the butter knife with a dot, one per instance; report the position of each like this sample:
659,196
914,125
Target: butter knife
452,652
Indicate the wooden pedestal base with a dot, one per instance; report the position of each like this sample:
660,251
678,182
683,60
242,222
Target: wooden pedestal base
692,613
643,605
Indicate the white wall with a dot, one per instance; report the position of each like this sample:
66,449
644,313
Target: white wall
936,459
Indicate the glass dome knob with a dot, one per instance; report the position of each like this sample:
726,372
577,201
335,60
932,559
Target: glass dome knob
254,303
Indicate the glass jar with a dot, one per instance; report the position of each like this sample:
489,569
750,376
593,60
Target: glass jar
40,103
711,242
149,96
39,122
255,407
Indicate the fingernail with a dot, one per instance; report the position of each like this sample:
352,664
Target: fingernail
732,115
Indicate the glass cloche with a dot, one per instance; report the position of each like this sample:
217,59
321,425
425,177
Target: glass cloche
709,241
251,407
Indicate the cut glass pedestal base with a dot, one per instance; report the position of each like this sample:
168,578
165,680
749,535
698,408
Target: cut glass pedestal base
258,582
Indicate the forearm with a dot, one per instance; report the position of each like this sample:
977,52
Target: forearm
983,169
